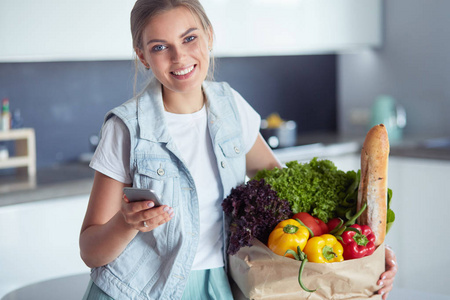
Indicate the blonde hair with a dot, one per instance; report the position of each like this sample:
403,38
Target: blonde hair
144,10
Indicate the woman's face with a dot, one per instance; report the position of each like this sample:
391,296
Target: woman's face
175,46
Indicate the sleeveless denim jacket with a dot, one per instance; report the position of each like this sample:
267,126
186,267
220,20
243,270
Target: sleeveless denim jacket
156,264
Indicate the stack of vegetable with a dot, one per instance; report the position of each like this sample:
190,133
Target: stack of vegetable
304,211
254,209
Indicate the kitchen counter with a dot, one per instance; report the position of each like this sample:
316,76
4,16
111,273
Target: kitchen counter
53,182
412,146
76,178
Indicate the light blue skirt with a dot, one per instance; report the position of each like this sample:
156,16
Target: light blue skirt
208,284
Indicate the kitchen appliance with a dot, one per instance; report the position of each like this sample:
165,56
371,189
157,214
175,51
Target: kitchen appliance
285,135
386,110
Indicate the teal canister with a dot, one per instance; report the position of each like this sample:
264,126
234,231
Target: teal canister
385,110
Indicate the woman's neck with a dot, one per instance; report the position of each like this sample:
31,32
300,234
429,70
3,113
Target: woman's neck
183,103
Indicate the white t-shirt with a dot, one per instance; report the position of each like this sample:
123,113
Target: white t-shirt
191,135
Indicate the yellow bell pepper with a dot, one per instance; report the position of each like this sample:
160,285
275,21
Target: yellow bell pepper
324,249
287,235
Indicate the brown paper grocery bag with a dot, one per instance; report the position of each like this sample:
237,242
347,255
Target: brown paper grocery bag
261,274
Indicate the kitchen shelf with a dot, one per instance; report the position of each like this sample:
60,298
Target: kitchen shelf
25,150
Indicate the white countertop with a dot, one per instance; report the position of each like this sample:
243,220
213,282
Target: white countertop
404,294
307,152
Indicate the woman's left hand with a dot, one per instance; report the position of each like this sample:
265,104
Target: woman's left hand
386,280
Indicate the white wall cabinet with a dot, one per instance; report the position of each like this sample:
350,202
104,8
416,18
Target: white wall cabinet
39,241
63,30
292,27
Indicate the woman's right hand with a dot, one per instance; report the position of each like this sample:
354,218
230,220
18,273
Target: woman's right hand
143,215
112,222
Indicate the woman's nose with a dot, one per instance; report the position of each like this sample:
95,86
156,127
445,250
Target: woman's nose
177,54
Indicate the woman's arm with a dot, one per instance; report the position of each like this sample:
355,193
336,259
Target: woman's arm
111,222
260,157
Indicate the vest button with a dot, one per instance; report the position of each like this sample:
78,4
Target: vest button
223,164
236,149
160,171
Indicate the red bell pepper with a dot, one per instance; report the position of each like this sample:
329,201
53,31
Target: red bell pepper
333,223
358,242
316,225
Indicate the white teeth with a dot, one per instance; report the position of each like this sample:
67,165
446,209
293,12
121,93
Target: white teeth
185,71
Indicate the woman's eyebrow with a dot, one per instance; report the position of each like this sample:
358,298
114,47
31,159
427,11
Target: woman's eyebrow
188,31
181,36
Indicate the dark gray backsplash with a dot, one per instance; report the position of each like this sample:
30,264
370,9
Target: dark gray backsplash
65,102
300,88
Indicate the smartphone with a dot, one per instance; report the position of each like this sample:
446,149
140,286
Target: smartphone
136,194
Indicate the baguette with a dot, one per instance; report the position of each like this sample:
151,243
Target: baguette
373,186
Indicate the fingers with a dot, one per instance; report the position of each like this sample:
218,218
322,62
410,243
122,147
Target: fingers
387,278
137,206
384,292
144,216
386,285
391,259
156,217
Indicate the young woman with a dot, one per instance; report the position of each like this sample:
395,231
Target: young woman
188,139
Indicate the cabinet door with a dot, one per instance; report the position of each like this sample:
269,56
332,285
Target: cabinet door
420,233
40,241
55,30
291,27
50,30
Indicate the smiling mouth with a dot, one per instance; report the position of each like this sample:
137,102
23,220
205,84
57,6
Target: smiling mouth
184,71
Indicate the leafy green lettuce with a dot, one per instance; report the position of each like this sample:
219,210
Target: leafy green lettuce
390,213
317,187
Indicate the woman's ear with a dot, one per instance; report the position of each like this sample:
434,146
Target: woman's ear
210,38
141,57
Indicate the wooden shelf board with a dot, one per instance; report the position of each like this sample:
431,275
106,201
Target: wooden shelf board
16,134
17,161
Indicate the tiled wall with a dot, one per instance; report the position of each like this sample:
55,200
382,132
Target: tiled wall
66,101
412,66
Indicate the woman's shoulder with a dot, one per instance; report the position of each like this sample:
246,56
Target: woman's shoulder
125,111
129,109
218,88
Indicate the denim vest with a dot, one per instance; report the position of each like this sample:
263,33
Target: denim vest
156,264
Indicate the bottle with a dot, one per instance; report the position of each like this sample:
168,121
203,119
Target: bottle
16,119
6,115
3,151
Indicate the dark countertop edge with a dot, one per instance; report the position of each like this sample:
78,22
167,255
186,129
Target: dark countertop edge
420,154
48,192
411,146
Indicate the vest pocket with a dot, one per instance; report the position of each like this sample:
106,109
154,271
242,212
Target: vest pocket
232,147
160,175
233,159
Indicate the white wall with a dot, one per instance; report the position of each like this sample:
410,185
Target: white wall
413,66
39,241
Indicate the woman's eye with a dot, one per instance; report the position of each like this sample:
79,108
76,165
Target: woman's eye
158,48
189,39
